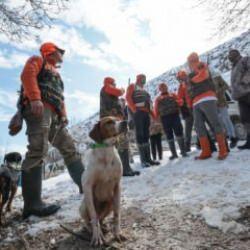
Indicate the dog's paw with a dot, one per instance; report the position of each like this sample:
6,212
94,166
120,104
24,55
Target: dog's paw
120,237
97,237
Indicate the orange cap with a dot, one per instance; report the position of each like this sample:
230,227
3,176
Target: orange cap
49,48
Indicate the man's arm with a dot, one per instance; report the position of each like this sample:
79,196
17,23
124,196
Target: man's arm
129,99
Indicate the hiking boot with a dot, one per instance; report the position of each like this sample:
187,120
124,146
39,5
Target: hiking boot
172,148
31,191
75,170
127,170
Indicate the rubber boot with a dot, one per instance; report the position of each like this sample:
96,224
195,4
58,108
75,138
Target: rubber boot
75,170
188,146
233,142
205,149
127,170
172,148
31,191
142,153
246,145
182,146
223,152
148,156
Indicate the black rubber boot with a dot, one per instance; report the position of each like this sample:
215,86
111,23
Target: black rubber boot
182,146
142,153
172,148
246,145
76,169
233,142
188,146
31,191
148,156
127,170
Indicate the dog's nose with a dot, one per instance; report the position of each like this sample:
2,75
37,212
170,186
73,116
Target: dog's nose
123,127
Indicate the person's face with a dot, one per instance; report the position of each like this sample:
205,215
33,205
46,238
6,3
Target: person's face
233,56
56,57
164,88
143,80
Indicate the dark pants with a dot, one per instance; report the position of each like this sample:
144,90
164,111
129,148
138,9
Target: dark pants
189,122
172,126
244,106
142,123
156,145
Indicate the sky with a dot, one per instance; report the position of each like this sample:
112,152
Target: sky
118,38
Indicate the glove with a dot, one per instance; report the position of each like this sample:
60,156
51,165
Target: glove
37,108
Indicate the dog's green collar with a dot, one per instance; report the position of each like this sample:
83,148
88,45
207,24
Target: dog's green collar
98,145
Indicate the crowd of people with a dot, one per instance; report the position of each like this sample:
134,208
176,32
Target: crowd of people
200,101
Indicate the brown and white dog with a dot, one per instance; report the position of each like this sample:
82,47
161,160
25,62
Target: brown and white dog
101,179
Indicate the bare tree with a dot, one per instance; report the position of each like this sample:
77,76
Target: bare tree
18,21
229,15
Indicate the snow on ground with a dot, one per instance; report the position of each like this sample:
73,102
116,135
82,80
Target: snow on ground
211,189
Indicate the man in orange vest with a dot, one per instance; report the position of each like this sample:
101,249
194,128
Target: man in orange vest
46,119
110,105
204,102
167,108
139,102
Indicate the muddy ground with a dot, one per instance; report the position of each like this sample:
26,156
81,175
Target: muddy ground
165,228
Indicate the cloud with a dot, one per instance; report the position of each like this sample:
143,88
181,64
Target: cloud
10,60
80,104
149,36
7,105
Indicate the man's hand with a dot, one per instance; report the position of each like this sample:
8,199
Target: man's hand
64,121
122,90
37,108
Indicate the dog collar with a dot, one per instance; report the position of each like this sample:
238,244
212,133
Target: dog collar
98,145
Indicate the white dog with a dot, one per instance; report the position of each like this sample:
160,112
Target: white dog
101,179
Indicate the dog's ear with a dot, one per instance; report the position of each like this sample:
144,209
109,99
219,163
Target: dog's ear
95,134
